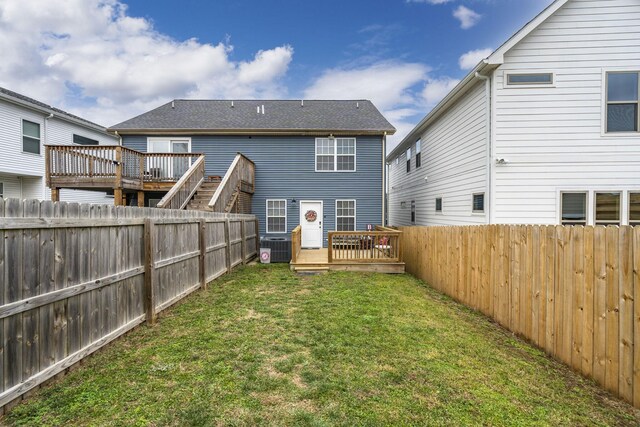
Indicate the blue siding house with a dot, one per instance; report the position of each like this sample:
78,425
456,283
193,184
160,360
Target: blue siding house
319,164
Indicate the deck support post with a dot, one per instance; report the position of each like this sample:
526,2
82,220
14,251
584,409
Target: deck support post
141,199
55,194
117,196
330,249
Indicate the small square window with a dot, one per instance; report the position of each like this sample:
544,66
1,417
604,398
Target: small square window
574,209
439,204
634,209
607,209
478,203
30,137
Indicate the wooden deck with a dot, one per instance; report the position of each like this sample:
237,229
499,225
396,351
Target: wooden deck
374,251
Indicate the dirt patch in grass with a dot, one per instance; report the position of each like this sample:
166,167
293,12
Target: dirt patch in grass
266,347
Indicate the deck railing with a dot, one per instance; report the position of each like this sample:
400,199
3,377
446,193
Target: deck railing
185,188
239,177
112,165
296,243
382,245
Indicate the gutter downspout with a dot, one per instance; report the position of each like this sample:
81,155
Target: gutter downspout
119,138
489,159
384,177
44,142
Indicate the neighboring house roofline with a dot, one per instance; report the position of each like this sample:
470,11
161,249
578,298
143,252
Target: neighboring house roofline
485,67
273,132
32,104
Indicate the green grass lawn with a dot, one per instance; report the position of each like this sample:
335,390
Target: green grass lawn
266,347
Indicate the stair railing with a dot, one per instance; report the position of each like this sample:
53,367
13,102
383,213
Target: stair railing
183,190
239,177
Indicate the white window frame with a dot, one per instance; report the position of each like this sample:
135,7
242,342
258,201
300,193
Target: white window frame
170,140
335,155
484,203
439,212
587,214
39,153
413,213
1,190
605,102
528,85
408,164
355,214
418,153
621,219
267,216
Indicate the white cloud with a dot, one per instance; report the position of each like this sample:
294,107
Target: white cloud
90,57
436,89
429,1
470,59
467,17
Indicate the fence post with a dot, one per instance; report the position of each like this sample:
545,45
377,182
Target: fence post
330,249
149,271
243,245
257,241
227,248
203,252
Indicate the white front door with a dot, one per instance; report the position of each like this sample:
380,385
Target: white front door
311,223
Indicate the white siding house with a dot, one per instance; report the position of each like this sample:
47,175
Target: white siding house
26,125
560,142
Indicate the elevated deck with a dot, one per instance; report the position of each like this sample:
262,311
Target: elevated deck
373,251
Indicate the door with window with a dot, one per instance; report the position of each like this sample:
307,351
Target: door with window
311,216
168,167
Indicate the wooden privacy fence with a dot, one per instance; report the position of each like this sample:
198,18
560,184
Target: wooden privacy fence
569,289
74,277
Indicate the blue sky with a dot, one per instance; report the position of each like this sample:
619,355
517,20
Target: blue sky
109,60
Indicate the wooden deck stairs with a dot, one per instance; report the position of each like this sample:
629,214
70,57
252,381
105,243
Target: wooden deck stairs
203,195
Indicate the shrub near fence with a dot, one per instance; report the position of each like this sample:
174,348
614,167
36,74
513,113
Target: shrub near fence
568,289
74,277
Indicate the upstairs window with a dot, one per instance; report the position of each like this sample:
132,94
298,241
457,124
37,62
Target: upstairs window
574,209
634,209
409,159
345,215
530,79
607,209
439,204
30,137
478,203
623,98
276,216
418,157
83,140
335,154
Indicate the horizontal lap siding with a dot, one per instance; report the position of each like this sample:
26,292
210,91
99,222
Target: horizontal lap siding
454,163
552,137
285,169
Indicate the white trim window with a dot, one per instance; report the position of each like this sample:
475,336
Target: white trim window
345,215
30,137
277,216
413,212
477,203
335,154
623,102
529,79
418,154
438,204
607,208
634,209
1,190
573,208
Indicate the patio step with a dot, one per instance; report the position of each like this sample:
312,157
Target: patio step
200,201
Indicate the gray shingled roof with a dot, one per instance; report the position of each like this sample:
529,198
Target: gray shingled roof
45,107
286,116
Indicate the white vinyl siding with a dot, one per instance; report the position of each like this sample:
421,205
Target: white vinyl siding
277,216
454,167
554,139
345,215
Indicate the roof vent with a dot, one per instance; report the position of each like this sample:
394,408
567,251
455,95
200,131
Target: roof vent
357,105
231,104
302,102
258,111
173,104
262,108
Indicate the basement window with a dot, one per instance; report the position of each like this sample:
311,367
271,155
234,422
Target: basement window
530,79
634,208
573,208
607,209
